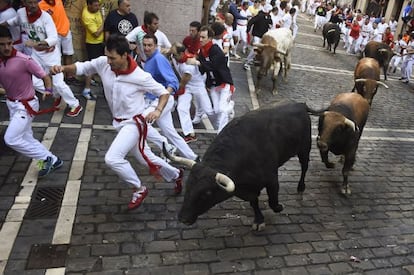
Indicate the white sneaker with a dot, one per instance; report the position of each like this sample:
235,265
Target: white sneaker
196,120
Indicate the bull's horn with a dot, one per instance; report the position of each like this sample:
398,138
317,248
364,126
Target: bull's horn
282,53
382,84
331,30
187,162
225,182
258,44
382,50
351,124
360,80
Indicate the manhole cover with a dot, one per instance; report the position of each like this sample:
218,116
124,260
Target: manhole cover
44,256
45,202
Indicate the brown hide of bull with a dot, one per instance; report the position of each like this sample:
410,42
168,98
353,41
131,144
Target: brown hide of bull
340,129
266,55
367,68
381,52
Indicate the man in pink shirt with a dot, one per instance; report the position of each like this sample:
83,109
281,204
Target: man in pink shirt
16,70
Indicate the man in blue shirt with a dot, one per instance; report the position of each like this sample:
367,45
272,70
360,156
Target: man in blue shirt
160,68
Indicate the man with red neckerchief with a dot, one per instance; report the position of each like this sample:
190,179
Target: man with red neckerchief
56,9
150,26
192,84
212,61
192,41
16,70
43,39
125,85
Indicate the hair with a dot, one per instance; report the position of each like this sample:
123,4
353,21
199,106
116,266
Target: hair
196,24
283,5
151,36
217,28
210,32
179,47
292,11
118,43
90,2
120,2
149,17
5,32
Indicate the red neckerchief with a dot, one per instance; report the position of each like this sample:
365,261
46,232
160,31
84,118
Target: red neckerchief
205,50
6,8
33,17
132,65
145,29
5,58
186,56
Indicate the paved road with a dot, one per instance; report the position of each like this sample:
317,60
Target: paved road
75,221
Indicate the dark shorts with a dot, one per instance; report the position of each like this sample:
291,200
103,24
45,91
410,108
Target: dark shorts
95,50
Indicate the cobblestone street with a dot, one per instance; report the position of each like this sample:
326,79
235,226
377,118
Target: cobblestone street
81,225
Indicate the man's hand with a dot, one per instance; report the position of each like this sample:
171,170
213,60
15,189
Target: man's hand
46,94
56,69
192,61
153,116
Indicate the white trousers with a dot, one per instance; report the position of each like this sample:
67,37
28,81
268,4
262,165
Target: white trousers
166,124
319,21
19,134
126,141
222,105
242,35
184,105
59,85
407,68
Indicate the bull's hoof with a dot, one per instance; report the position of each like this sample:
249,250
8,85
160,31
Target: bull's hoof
329,164
258,226
277,208
301,188
274,92
346,190
258,91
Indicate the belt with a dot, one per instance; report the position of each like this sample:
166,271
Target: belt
241,24
29,108
20,100
120,119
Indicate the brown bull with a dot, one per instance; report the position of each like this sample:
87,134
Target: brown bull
266,55
366,77
340,128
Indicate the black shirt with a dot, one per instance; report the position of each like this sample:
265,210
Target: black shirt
122,24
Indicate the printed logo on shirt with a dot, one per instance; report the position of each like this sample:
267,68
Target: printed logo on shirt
124,27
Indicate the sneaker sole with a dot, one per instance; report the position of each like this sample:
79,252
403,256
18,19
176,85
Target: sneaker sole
75,115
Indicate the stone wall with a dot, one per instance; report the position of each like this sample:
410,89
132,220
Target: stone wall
175,16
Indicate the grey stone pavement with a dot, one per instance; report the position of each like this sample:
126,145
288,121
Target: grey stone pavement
75,221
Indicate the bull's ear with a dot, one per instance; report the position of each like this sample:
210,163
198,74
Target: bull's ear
258,50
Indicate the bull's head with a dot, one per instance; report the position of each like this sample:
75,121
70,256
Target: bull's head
368,88
204,188
266,55
333,128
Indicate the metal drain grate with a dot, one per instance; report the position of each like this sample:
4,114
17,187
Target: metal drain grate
45,202
44,256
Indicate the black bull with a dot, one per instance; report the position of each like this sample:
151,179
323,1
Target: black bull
381,52
244,158
332,34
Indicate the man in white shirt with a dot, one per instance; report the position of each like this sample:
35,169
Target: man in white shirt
150,26
125,84
43,39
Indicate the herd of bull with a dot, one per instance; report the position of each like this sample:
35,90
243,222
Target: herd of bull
244,158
